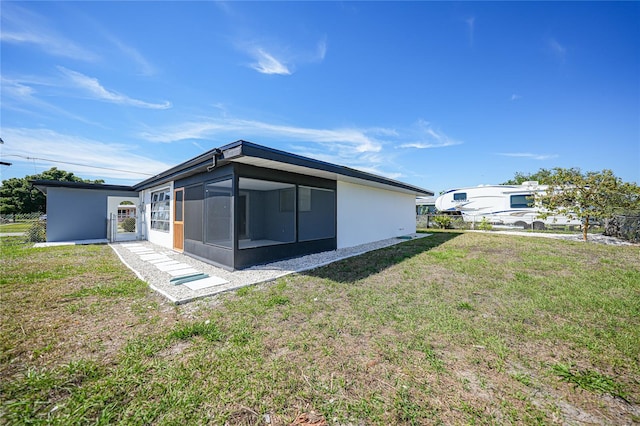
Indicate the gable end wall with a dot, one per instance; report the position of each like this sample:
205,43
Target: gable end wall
367,214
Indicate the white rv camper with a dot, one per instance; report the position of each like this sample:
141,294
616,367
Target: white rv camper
500,204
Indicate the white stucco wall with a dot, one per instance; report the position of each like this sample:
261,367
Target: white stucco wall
367,214
161,238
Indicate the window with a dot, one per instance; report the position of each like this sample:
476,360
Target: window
460,196
179,209
522,201
304,199
160,210
267,213
287,199
218,219
316,213
125,212
425,209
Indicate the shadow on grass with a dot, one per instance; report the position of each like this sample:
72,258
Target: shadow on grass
364,265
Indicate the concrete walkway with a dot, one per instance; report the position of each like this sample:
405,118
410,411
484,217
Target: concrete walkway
162,268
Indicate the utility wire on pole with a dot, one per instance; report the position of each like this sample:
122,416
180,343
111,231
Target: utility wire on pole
78,164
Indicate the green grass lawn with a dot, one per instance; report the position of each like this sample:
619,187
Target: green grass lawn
15,227
455,328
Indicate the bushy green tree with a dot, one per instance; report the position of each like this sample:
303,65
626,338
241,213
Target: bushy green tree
18,196
542,176
587,196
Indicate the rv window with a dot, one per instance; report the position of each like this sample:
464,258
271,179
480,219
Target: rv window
521,201
460,196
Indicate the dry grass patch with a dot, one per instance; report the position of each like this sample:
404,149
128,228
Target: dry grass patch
64,304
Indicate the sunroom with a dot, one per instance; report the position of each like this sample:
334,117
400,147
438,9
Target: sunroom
246,204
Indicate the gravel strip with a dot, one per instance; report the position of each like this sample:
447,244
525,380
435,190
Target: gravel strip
179,294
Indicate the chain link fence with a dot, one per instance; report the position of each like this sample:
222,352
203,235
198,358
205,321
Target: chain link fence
31,227
443,221
624,227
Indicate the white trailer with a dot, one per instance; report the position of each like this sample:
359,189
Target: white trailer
511,205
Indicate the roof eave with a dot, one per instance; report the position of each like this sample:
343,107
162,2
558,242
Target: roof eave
42,185
237,150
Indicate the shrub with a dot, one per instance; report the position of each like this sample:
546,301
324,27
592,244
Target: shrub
484,225
129,224
443,221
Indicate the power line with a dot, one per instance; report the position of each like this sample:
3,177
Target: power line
78,164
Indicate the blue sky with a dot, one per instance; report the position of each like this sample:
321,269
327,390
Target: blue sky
436,94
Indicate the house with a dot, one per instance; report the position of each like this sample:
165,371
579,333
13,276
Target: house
240,205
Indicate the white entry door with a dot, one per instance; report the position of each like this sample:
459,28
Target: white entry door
122,218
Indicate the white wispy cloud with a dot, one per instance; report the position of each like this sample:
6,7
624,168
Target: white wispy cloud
266,63
515,97
366,149
557,49
145,67
16,88
90,158
21,95
22,26
353,147
321,50
369,162
471,26
92,87
427,137
358,140
528,155
273,58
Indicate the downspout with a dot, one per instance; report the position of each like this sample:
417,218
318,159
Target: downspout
216,153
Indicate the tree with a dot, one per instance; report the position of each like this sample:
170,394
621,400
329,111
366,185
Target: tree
18,196
541,176
587,196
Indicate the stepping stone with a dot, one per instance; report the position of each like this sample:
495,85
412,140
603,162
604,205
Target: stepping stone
205,283
137,248
142,251
153,256
161,265
178,272
162,259
173,267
